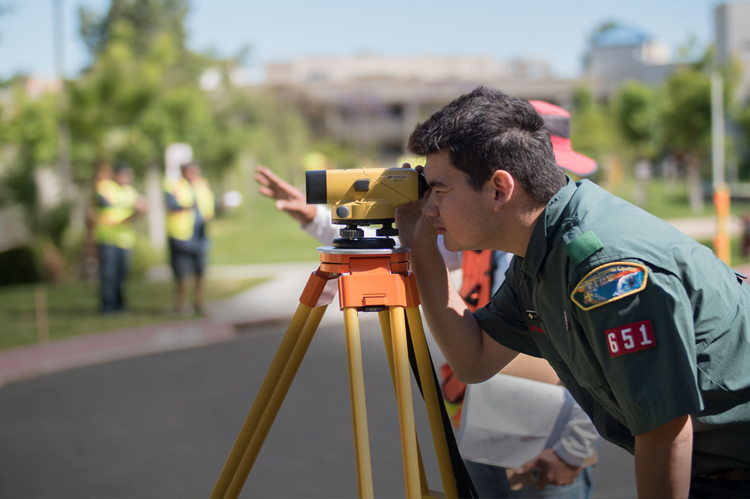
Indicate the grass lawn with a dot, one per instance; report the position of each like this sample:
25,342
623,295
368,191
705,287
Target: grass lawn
258,233
671,200
72,308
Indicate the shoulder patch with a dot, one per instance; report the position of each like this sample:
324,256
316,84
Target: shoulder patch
608,283
583,247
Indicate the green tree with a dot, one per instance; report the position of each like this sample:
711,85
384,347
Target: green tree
686,117
149,18
591,129
635,112
29,132
635,109
142,93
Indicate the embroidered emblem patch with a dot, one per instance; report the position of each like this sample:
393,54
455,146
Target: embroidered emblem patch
609,283
630,338
536,329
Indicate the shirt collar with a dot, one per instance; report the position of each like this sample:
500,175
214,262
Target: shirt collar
543,231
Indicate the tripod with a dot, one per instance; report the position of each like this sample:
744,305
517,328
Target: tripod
371,280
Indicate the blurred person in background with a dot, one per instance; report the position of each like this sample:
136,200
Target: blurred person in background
117,203
190,205
561,471
102,171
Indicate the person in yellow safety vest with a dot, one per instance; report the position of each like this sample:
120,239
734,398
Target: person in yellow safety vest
190,205
117,204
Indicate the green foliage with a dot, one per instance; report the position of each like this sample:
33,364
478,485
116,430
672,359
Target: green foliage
149,18
281,136
132,107
18,266
258,233
635,108
142,94
686,106
592,130
686,110
29,130
340,156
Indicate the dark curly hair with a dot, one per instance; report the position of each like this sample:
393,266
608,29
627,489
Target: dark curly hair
488,130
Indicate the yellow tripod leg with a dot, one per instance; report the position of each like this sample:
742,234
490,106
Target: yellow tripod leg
432,402
385,327
405,404
359,409
274,402
261,401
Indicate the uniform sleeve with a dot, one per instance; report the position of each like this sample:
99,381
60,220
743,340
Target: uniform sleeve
578,438
645,345
501,318
321,227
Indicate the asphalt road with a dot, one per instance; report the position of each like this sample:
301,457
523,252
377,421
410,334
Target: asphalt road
162,426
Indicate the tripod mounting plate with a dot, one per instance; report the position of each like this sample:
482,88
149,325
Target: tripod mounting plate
332,250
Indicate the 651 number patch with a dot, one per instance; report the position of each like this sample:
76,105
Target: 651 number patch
630,338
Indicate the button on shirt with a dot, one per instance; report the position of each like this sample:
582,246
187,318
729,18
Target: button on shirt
692,319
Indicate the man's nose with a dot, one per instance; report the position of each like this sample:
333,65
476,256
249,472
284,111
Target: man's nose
429,208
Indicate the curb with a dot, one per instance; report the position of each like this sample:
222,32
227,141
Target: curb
26,362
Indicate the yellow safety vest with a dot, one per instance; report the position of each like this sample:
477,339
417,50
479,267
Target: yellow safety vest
111,227
180,223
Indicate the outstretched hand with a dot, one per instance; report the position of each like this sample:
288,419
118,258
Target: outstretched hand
288,198
548,469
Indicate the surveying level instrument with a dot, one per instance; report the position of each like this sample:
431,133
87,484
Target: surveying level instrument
367,280
362,197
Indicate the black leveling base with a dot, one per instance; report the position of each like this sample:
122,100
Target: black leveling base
352,237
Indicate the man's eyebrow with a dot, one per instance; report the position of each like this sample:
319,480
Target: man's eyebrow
437,183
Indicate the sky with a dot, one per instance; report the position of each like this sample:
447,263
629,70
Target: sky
279,30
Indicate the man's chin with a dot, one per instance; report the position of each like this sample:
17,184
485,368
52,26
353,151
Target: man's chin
451,244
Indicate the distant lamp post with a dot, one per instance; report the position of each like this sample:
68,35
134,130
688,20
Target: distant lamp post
722,241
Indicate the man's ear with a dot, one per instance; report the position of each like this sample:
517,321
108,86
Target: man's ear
503,187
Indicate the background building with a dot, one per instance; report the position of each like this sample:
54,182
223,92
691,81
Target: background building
372,103
619,53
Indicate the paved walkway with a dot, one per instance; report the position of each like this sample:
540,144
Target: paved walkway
703,228
273,301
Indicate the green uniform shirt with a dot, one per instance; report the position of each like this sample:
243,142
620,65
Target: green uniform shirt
641,323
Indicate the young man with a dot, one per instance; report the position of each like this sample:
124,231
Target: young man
559,471
646,328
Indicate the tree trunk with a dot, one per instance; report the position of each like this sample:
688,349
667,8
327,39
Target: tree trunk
694,184
156,212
